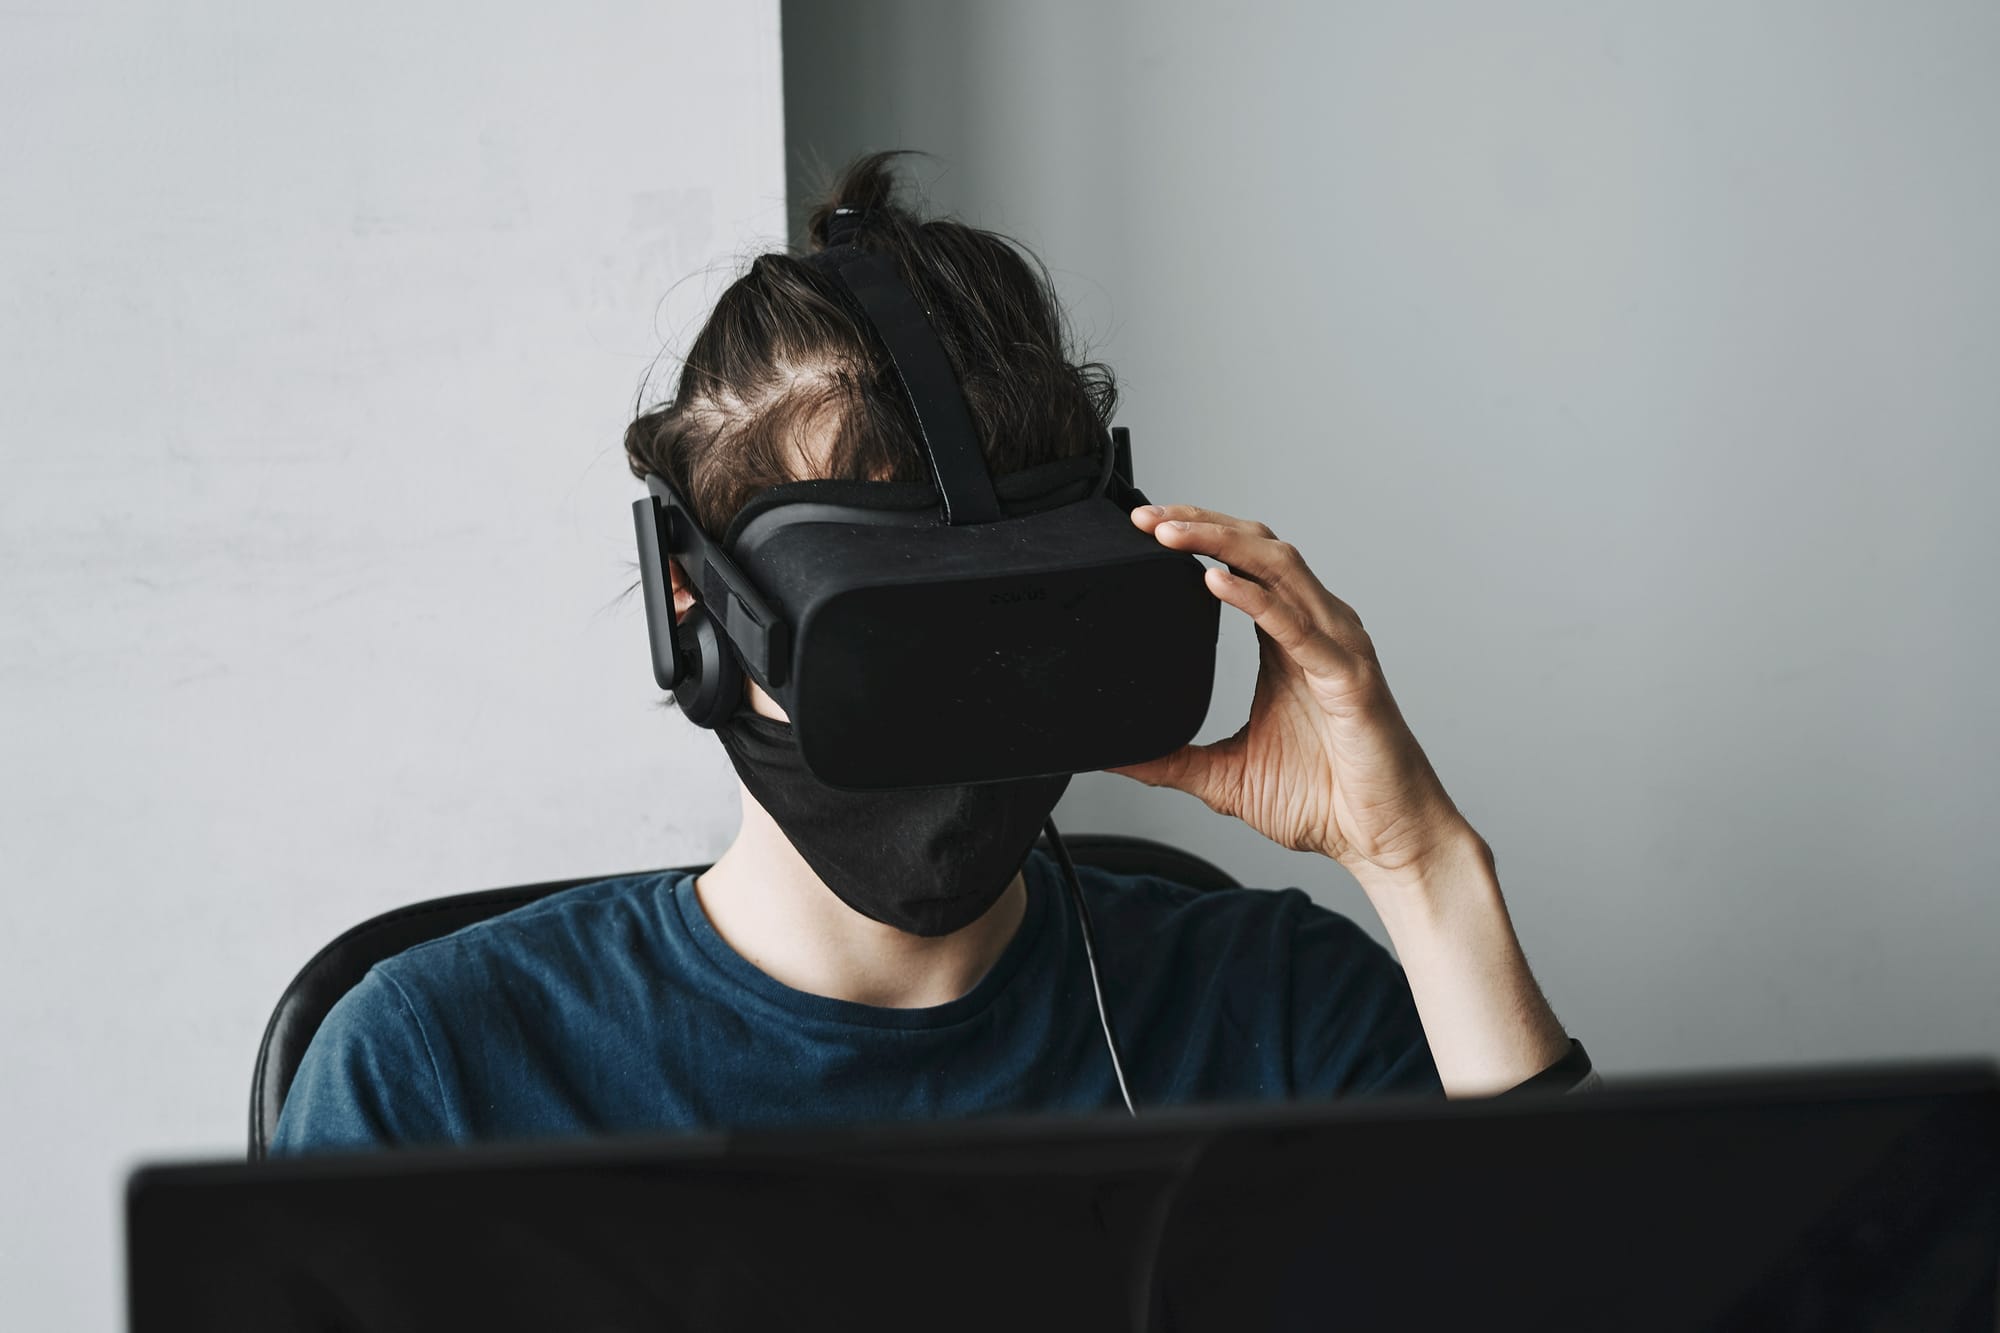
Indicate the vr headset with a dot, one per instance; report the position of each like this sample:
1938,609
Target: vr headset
972,630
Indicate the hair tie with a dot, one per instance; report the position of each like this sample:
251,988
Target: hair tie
840,227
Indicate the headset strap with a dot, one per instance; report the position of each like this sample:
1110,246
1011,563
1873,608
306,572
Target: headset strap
1115,481
944,424
761,637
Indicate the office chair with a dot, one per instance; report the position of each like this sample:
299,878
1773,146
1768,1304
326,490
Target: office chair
335,969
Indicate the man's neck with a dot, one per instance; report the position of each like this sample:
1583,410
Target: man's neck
769,906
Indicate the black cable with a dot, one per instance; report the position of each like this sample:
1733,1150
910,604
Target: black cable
1090,957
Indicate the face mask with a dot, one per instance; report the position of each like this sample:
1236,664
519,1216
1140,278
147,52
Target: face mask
927,861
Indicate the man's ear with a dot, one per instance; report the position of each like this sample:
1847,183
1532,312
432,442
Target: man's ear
684,597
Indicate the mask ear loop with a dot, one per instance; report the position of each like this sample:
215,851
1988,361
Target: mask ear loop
1090,958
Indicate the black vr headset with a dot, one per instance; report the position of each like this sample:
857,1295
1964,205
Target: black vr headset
916,635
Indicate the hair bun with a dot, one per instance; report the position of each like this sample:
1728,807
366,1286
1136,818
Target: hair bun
843,223
863,195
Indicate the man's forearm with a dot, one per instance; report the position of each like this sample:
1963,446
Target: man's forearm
1488,1025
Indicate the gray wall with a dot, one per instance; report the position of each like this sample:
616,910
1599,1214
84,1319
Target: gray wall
1633,369
319,330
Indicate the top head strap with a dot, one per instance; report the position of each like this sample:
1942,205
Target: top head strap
944,424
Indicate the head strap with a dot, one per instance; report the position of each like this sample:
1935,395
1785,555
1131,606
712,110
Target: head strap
944,423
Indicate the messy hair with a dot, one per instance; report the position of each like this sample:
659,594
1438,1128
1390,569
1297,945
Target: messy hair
785,382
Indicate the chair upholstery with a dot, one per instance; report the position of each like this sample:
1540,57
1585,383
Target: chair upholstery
335,969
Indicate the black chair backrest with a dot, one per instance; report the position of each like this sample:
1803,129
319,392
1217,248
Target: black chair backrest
336,969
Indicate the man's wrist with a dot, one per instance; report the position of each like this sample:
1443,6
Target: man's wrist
1488,1025
1458,866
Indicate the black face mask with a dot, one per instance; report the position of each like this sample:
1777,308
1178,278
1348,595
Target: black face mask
927,861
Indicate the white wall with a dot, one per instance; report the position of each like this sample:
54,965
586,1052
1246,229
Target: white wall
319,329
1634,369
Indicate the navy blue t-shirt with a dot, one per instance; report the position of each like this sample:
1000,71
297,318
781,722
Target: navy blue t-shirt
615,1007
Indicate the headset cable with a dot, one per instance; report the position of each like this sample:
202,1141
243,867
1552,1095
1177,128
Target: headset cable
1090,957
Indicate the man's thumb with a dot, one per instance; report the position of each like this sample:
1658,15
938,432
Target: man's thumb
1190,769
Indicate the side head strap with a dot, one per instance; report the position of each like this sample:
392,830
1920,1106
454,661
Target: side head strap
666,526
944,424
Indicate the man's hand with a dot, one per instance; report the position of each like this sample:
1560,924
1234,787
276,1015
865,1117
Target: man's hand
1326,762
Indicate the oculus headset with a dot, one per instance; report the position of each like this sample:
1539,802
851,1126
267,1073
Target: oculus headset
975,630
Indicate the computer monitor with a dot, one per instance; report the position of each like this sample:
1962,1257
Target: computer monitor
1832,1199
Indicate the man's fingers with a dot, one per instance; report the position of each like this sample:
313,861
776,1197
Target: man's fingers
1151,516
1273,563
1250,550
1317,652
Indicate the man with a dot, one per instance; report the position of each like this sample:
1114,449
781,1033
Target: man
771,990
751,995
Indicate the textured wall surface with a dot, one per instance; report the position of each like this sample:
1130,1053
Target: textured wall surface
1630,368
319,329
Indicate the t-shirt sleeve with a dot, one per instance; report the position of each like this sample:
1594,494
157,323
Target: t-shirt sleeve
1354,1025
367,1079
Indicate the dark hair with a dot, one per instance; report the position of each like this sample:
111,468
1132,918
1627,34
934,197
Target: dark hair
784,358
